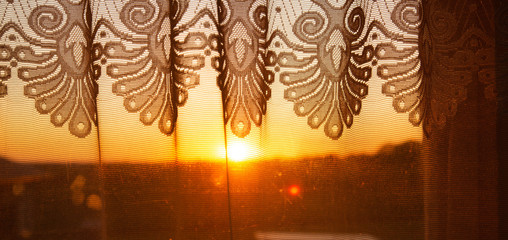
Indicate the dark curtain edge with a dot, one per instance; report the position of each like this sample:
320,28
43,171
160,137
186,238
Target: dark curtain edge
502,113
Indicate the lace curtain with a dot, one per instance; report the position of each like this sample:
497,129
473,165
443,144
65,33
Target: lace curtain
219,82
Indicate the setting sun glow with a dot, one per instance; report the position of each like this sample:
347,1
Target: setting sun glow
237,152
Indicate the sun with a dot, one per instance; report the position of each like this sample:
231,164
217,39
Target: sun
237,152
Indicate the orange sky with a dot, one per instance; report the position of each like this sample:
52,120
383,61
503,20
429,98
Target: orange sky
29,136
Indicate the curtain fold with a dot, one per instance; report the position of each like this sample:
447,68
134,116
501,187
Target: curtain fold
458,50
217,119
142,61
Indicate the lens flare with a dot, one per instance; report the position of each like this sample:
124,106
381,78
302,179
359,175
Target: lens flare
294,190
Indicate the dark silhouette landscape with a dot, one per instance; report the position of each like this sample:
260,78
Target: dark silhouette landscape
378,195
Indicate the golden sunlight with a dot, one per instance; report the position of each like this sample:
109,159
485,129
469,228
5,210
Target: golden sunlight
238,152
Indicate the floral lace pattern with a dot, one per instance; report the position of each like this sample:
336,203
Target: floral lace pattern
430,78
323,52
49,46
243,79
153,50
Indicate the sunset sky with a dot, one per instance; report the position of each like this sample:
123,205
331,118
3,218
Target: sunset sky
28,136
